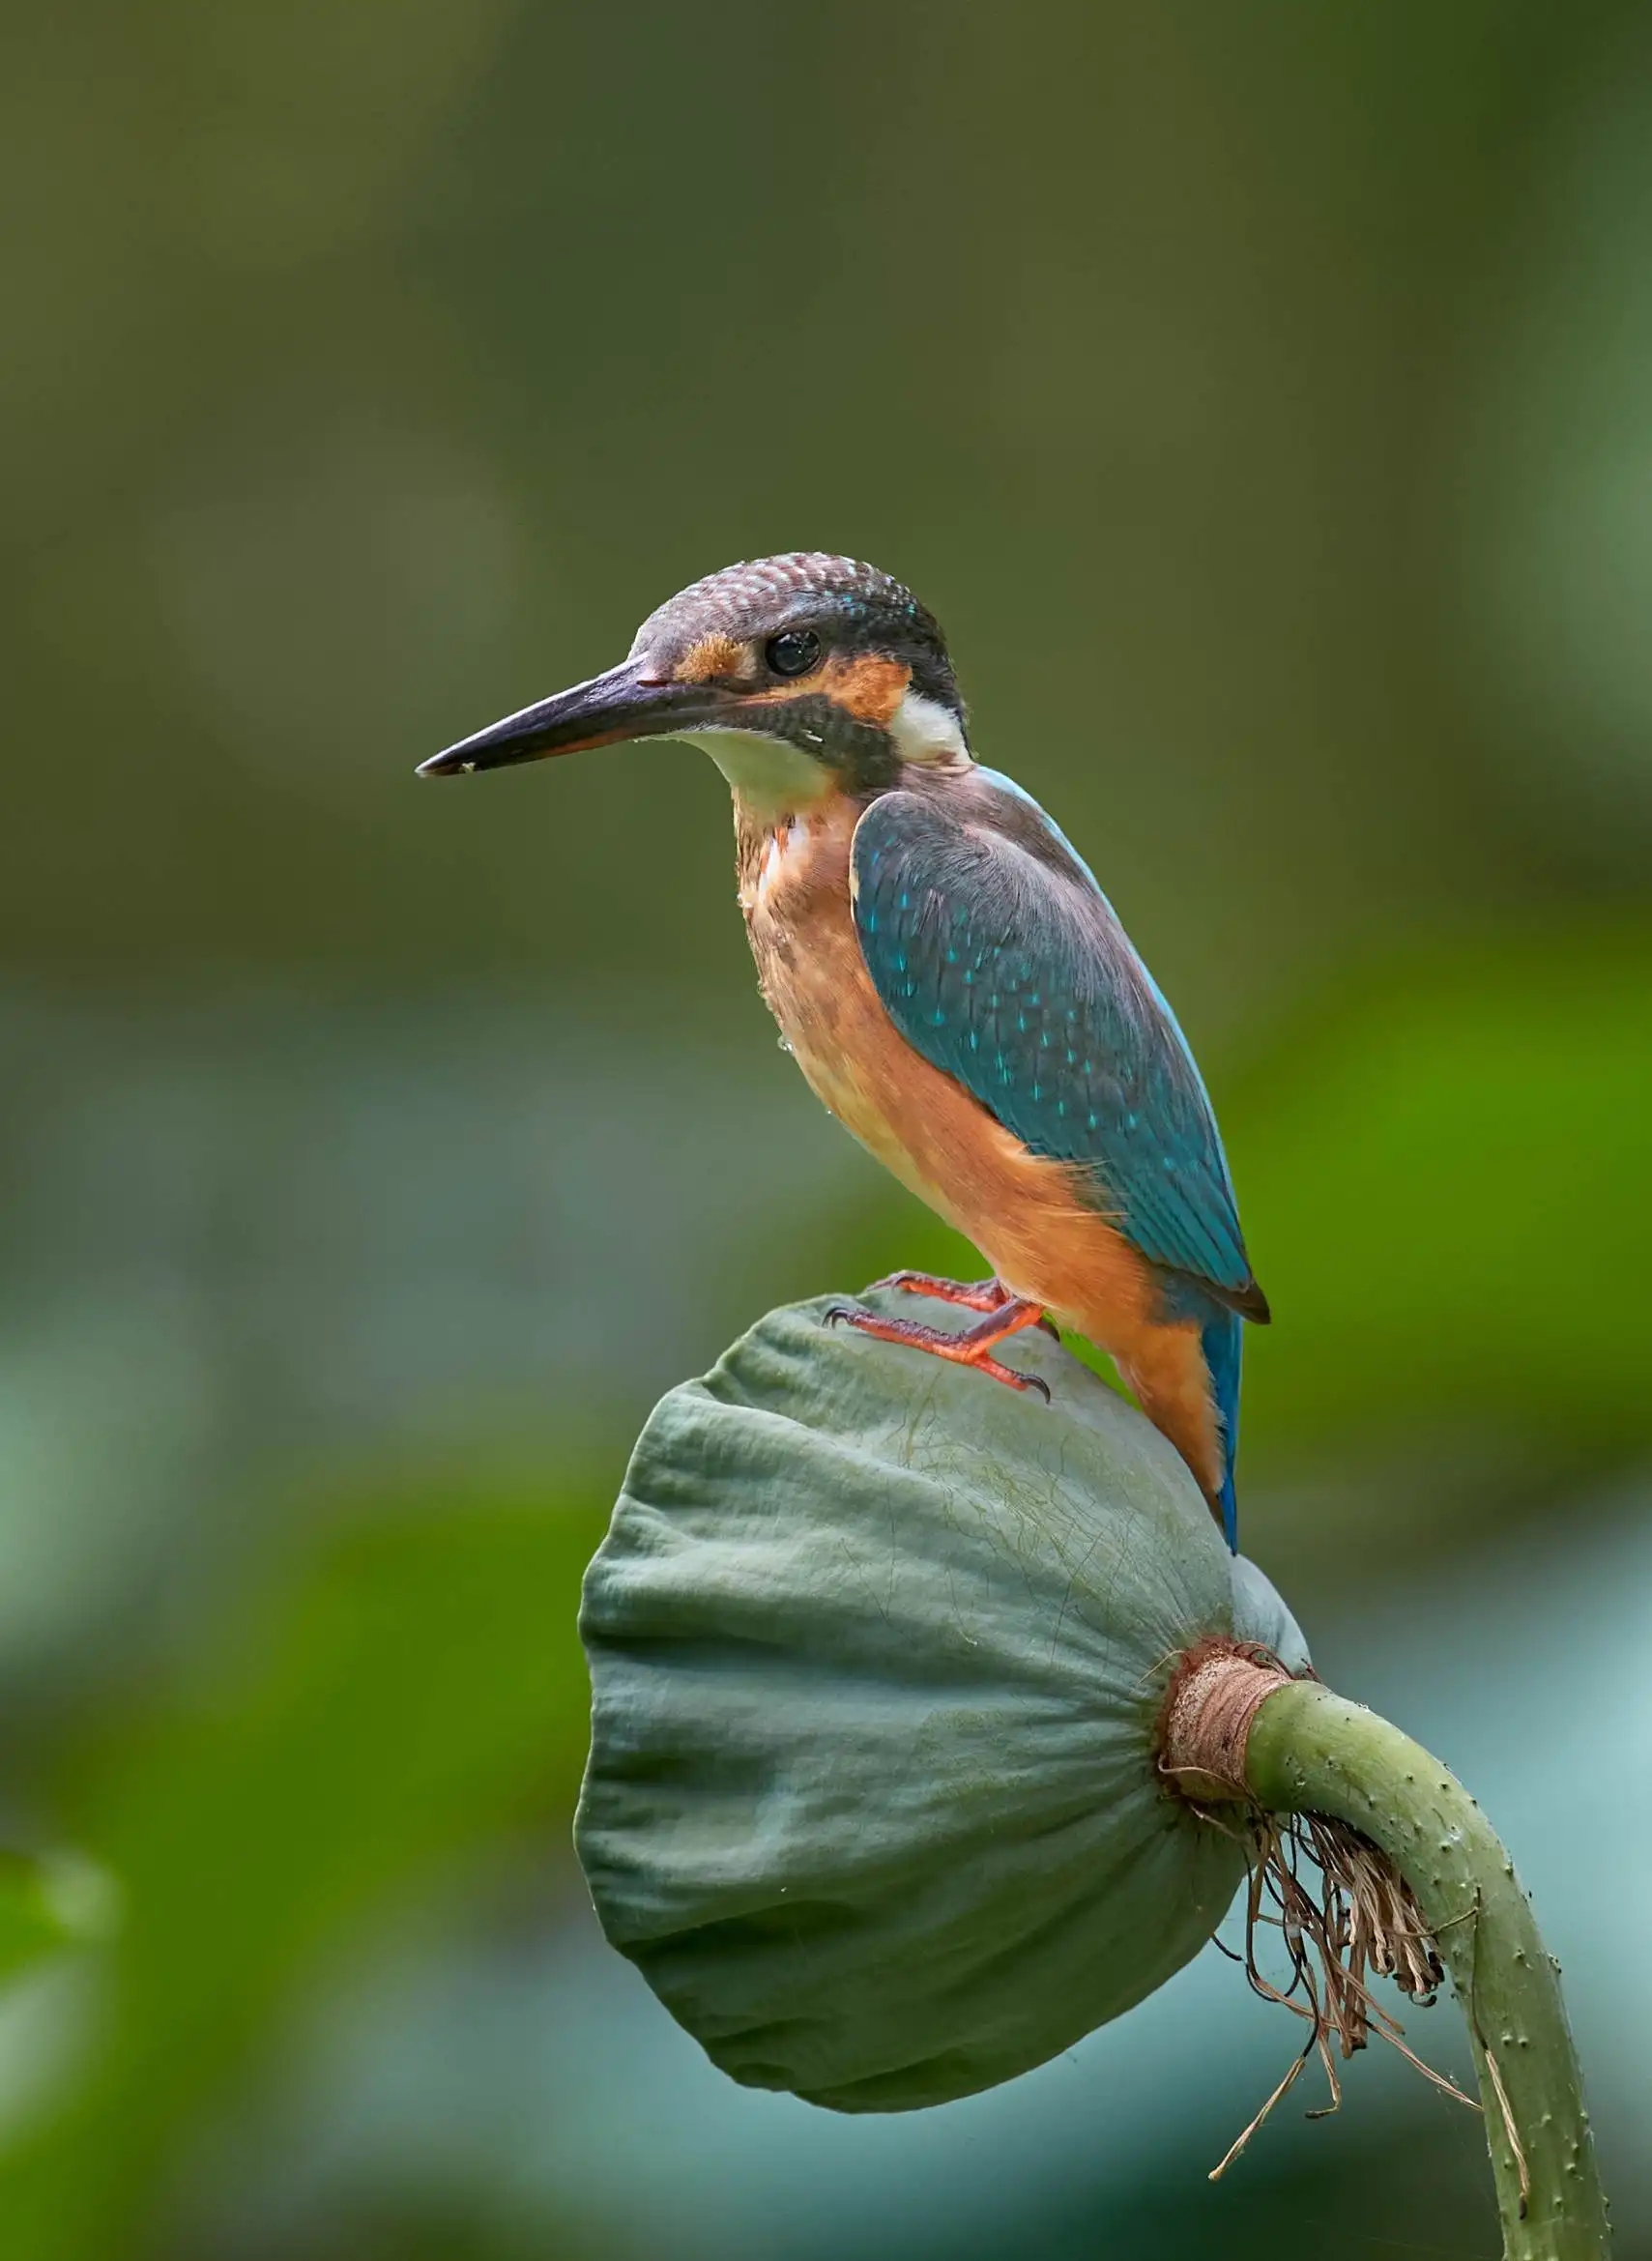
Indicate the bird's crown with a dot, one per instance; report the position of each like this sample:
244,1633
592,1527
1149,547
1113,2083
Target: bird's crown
813,606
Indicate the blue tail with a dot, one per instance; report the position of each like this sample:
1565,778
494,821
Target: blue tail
1219,1339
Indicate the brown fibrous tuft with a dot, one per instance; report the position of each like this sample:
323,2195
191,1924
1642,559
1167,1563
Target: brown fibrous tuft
1345,1913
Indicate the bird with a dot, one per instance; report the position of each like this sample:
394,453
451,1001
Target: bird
950,978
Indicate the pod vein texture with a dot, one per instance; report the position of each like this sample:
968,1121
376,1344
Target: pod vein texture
877,1652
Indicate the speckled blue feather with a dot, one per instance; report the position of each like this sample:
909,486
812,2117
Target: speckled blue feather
1013,974
998,958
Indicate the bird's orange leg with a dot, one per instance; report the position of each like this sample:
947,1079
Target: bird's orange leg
972,1348
973,1294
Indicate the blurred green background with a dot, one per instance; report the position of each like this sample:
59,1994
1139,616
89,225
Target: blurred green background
1263,397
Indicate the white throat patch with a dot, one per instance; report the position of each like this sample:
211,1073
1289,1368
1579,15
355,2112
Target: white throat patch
769,776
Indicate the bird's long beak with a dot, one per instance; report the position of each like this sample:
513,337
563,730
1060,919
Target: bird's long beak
624,702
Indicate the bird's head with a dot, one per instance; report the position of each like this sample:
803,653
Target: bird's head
799,675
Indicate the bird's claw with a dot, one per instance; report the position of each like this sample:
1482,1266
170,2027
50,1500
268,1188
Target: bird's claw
956,1350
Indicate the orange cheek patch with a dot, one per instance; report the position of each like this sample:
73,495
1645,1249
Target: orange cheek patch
864,685
714,659
868,687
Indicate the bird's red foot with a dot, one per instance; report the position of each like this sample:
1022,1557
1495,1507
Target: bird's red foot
973,1294
975,1347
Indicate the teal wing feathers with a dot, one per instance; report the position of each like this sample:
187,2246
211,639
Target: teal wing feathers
999,960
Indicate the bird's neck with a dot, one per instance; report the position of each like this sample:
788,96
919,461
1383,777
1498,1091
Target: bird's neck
772,778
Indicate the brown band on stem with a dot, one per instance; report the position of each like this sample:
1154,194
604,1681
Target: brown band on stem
1215,1693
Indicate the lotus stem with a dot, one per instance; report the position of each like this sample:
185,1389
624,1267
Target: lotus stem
1235,1726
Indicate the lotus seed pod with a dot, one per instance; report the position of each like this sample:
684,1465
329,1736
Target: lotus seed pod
878,1648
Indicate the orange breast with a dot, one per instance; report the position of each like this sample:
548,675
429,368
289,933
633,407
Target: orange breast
1021,1209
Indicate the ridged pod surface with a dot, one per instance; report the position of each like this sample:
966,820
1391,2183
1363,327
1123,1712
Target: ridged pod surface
878,1648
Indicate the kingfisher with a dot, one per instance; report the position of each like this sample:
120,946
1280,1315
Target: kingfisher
950,978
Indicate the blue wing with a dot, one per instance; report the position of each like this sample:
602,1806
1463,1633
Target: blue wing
999,958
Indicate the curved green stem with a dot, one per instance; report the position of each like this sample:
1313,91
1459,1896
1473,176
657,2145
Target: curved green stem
1311,1752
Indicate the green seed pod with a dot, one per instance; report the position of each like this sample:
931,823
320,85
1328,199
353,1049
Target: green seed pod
878,1647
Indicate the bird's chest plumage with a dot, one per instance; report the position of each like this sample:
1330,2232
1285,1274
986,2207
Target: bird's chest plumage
800,918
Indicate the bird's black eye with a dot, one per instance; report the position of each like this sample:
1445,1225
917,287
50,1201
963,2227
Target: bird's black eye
794,652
